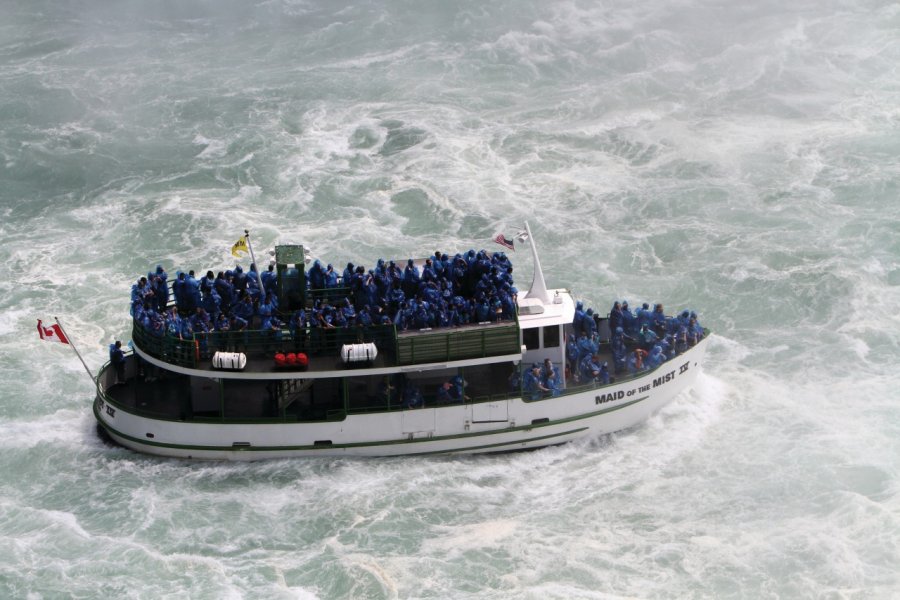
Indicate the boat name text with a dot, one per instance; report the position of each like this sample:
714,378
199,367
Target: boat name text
109,409
658,381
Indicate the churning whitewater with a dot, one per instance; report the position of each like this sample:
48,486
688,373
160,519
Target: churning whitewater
739,160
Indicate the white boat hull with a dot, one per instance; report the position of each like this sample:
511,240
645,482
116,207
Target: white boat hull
496,426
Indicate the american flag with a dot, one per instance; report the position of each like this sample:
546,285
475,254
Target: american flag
501,239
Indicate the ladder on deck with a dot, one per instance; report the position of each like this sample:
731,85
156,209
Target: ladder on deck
290,390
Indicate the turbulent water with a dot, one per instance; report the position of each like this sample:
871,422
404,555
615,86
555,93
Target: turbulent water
738,159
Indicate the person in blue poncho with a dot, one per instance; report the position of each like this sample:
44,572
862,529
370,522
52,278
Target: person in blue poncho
443,395
532,388
694,332
458,391
187,329
629,321
412,396
160,289
648,337
547,369
222,322
644,316
618,351
655,358
482,310
240,280
139,290
658,317
212,303
173,322
586,346
615,316
117,358
364,317
316,276
579,317
207,283
179,292
410,278
244,309
636,360
588,324
428,272
571,349
265,310
551,379
347,275
604,373
331,277
225,290
192,293
589,367
270,281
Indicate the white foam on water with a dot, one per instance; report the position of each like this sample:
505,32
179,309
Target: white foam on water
743,169
59,429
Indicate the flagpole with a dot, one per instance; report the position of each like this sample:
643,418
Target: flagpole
77,353
538,287
262,290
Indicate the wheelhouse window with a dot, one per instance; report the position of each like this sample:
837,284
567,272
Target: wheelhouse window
531,339
551,336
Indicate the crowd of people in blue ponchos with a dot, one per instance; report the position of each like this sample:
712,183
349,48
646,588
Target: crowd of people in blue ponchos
475,287
230,300
639,340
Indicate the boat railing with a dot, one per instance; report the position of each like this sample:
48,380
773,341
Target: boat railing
412,347
316,341
333,296
459,343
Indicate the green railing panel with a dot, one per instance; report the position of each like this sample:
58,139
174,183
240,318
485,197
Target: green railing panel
458,344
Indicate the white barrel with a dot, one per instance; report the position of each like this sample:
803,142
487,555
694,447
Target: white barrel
354,353
232,361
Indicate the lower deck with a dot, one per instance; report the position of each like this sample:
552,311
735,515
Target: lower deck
153,392
150,391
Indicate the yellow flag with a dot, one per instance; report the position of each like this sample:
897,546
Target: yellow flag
239,246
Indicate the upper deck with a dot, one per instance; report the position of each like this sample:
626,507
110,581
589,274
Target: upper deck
397,351
469,317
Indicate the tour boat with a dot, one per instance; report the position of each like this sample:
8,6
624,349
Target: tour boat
342,391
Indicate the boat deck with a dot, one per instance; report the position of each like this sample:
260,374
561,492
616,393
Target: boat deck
324,355
164,394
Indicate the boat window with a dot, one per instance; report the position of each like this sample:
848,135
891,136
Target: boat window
551,336
530,338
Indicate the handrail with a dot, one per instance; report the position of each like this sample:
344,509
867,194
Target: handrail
442,344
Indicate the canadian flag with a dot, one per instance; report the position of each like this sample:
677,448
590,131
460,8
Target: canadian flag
54,333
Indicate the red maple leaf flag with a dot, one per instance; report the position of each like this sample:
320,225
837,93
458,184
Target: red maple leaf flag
54,333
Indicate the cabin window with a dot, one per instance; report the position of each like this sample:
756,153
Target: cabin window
530,338
551,336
